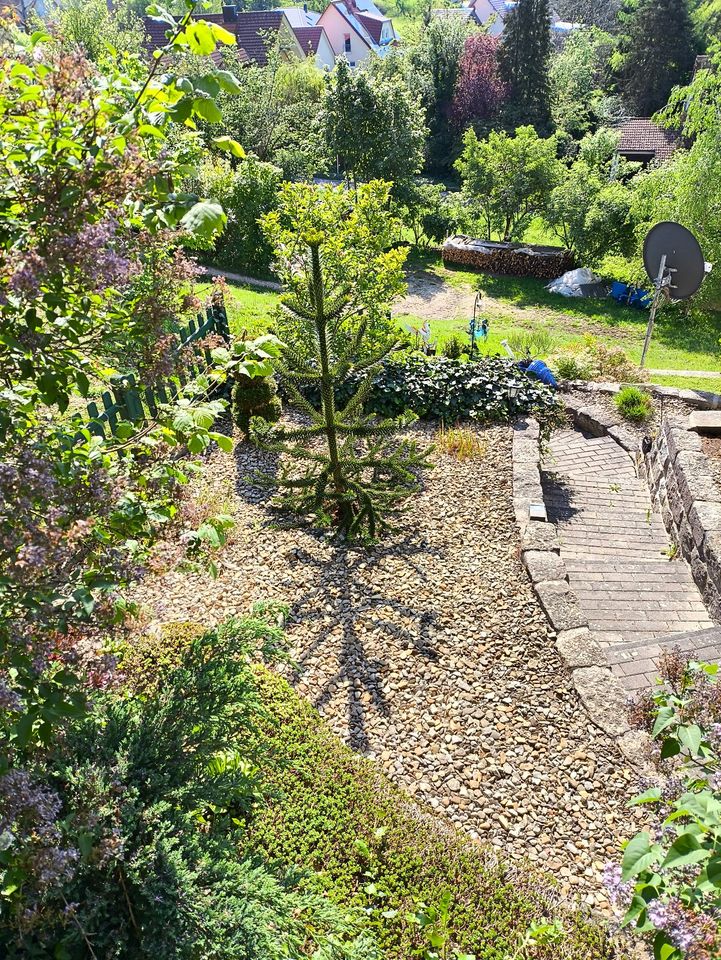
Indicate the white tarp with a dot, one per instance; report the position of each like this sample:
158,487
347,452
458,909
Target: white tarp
569,285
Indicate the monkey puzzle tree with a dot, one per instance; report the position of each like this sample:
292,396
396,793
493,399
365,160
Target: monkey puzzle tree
343,467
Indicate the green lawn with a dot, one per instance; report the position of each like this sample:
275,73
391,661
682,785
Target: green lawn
680,342
249,308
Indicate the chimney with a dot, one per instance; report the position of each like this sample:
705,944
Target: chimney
230,13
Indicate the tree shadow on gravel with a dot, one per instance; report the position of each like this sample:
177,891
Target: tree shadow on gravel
250,460
362,673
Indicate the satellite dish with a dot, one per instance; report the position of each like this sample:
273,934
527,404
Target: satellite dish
674,261
684,259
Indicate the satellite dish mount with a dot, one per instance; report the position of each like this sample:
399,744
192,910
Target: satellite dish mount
674,261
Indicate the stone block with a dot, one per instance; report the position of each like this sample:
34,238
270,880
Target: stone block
579,648
694,480
699,572
705,422
525,450
636,747
527,427
561,605
544,565
678,438
624,438
704,518
591,420
603,698
712,558
539,535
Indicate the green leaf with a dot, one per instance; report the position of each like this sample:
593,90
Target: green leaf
685,850
225,443
691,737
229,145
204,219
670,748
228,81
638,855
200,37
648,796
222,35
207,109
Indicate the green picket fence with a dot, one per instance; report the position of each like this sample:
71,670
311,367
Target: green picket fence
128,400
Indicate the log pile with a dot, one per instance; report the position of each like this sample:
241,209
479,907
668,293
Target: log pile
509,259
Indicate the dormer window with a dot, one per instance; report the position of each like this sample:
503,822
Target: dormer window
346,42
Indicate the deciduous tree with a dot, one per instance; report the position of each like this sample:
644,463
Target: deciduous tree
507,179
374,125
480,92
658,50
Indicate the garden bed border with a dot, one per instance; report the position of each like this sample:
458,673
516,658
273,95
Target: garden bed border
597,687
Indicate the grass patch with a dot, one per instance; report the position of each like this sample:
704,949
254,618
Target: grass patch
710,384
366,844
682,340
461,443
248,308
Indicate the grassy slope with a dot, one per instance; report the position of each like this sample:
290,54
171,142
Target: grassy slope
325,798
679,342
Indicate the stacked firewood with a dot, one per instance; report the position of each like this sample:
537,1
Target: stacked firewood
510,259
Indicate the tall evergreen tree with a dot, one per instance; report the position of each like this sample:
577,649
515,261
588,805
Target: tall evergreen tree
525,59
658,53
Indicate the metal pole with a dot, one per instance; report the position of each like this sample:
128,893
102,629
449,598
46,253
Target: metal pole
654,308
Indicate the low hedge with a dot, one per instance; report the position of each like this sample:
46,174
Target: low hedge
449,389
365,843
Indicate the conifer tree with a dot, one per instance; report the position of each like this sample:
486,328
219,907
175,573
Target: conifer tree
344,467
525,59
658,53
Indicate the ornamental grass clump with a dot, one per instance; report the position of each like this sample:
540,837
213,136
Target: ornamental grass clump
634,405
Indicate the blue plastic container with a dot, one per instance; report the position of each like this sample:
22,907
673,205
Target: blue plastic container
541,372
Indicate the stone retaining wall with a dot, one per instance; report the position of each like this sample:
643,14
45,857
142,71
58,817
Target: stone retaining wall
700,399
681,483
598,689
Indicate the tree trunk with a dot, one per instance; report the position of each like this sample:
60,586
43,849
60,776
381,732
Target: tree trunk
326,386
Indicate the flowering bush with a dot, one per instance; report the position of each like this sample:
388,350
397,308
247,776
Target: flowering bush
88,207
669,882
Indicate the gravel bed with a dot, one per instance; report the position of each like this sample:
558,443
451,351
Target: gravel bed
431,654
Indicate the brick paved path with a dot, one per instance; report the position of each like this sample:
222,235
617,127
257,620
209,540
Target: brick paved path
615,548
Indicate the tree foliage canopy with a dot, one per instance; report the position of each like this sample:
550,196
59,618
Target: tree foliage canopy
507,179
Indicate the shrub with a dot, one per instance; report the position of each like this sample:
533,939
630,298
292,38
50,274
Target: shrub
531,343
590,359
255,397
667,885
449,390
148,660
633,404
246,193
161,791
570,367
454,347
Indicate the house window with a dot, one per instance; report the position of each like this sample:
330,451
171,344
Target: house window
346,43
352,63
